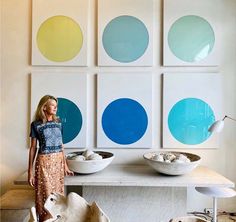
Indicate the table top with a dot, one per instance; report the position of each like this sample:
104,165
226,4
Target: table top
143,176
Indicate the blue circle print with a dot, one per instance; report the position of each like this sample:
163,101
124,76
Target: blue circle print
189,120
125,39
70,117
124,121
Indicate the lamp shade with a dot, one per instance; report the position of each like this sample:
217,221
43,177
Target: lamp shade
217,126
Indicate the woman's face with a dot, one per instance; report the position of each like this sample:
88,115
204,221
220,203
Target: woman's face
51,107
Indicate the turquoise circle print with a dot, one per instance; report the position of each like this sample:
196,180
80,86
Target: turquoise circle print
125,39
189,120
191,38
70,117
124,121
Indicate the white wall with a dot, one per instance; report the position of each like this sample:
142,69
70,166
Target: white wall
15,93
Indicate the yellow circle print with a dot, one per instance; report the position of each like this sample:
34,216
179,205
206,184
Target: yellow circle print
59,38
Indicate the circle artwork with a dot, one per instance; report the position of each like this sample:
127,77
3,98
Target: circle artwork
59,38
191,38
125,39
124,121
189,120
70,117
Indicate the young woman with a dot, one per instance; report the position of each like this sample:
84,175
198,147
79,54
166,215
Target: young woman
50,165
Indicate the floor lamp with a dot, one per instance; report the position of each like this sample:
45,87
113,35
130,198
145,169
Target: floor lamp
216,192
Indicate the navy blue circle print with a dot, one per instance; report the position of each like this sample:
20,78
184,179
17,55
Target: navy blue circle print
124,121
71,119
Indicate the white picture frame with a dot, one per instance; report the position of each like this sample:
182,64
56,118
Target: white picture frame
201,8
77,10
113,86
57,84
178,86
141,10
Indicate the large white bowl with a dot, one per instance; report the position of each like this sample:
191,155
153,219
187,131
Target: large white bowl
89,166
172,168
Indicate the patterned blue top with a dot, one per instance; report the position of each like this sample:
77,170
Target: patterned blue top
49,135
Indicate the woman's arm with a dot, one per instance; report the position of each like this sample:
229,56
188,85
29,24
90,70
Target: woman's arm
67,171
32,153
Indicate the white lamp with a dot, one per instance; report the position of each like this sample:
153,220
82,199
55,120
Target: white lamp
216,192
218,125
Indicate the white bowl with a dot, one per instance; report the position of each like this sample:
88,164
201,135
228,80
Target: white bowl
172,168
89,166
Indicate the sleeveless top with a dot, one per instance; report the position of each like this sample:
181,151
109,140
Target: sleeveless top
49,135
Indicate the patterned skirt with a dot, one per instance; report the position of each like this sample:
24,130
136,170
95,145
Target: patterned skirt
49,177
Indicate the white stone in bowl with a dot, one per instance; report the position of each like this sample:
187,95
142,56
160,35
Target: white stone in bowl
158,158
179,161
168,157
78,158
94,156
87,153
183,158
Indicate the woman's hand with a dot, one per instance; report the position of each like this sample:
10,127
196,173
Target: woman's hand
68,172
31,180
32,154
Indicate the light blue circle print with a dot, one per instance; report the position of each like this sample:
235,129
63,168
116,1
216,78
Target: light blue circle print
124,121
71,119
189,120
125,39
191,38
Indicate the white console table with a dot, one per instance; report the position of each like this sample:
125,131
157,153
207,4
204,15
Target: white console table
137,193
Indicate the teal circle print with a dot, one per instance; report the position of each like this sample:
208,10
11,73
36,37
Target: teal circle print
191,38
125,39
71,119
189,120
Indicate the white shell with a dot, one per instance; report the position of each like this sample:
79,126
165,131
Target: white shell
87,153
178,161
158,158
94,156
183,158
78,158
168,157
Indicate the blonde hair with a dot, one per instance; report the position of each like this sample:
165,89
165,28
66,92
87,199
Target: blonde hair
39,114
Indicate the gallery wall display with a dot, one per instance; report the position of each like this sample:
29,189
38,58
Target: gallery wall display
191,103
191,33
124,110
125,30
71,91
59,32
